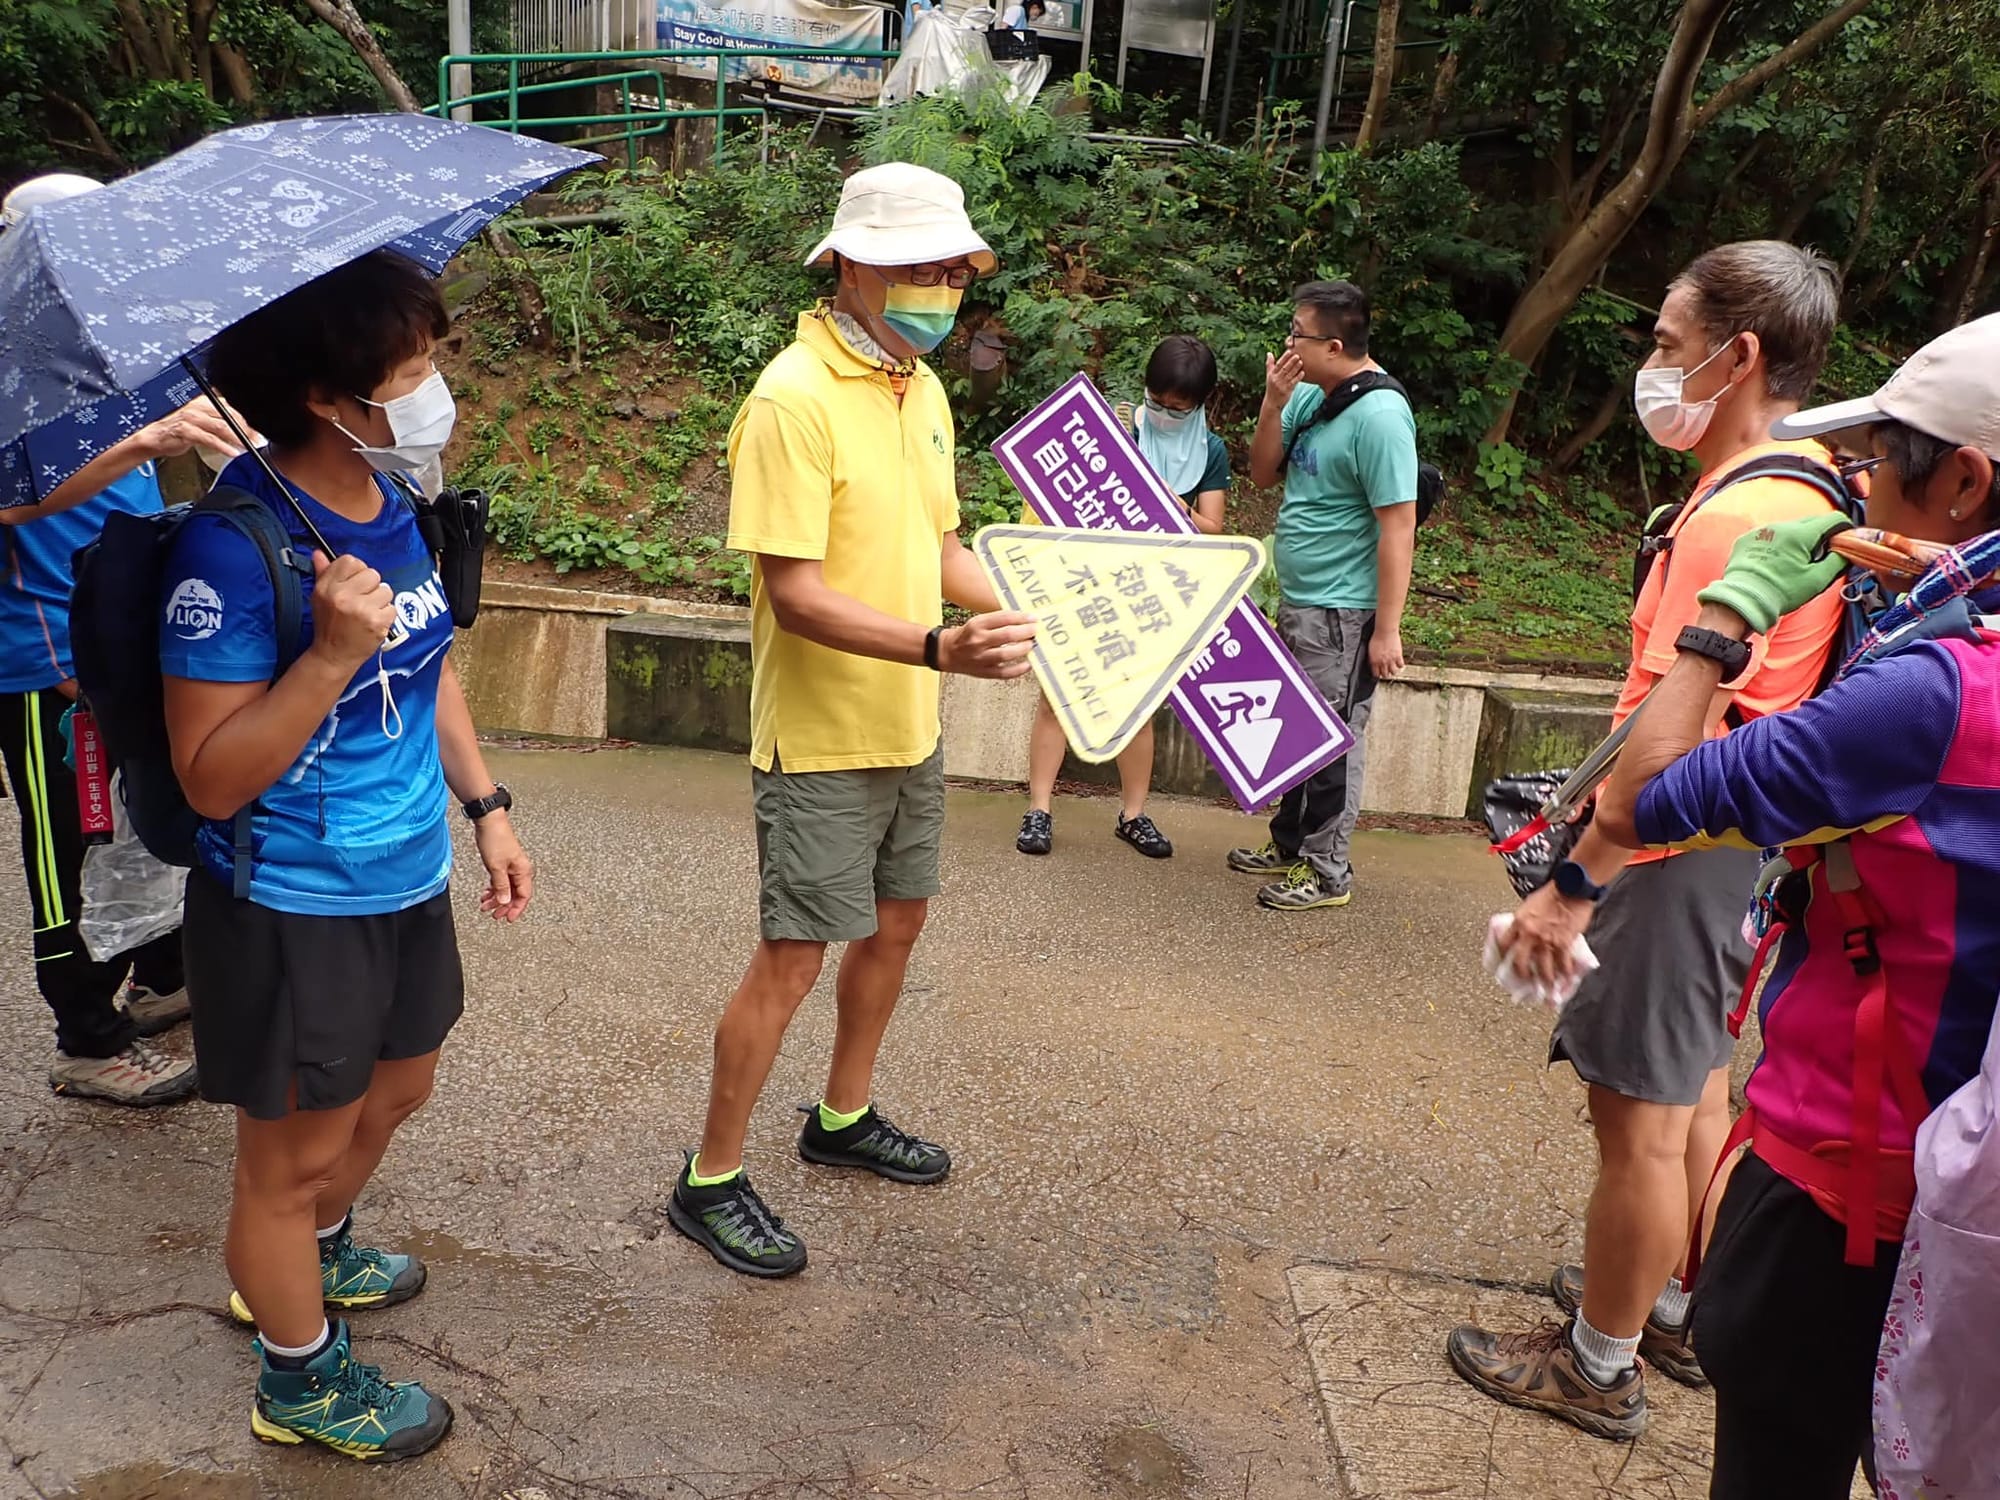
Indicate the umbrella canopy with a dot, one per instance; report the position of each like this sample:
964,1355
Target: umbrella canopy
103,294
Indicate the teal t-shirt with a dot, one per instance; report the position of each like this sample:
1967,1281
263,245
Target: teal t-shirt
1341,473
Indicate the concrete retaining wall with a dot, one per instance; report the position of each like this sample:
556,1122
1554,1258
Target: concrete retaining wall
568,662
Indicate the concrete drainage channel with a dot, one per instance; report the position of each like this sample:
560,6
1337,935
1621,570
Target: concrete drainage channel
576,664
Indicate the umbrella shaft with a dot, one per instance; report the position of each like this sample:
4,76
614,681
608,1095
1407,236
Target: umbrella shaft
263,460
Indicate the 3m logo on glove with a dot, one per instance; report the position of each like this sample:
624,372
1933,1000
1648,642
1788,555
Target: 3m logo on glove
195,611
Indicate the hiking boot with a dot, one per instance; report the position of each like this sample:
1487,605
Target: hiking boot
874,1145
141,1076
353,1278
153,1012
342,1404
1263,860
1142,835
1539,1371
731,1223
1663,1348
1303,889
1038,833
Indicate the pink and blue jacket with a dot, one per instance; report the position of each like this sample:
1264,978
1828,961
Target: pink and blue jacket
1901,759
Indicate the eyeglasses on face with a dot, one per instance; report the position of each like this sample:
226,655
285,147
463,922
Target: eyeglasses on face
1297,335
1154,403
958,278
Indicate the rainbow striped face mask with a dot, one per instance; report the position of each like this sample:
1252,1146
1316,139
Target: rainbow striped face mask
921,315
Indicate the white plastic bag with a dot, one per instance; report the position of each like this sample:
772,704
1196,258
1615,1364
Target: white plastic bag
1525,988
129,897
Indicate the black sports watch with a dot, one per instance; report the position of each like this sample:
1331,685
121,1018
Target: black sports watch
479,807
1573,880
931,648
1732,654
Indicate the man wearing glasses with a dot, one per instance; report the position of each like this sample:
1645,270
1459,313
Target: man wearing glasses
1346,530
843,491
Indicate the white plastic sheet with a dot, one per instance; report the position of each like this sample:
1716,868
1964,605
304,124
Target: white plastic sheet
129,897
946,53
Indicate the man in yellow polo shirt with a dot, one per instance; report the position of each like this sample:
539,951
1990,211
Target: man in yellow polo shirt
843,490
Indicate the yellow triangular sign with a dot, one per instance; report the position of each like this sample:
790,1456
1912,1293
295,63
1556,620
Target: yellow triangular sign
1122,614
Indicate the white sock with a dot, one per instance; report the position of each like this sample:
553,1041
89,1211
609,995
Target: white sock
304,1351
1603,1359
1672,1308
327,1234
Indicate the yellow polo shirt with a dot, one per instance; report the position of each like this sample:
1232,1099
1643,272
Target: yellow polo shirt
825,463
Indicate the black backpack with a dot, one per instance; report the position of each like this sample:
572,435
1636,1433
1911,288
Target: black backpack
1859,591
114,621
1430,479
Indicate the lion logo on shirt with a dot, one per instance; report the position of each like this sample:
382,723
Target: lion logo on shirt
194,613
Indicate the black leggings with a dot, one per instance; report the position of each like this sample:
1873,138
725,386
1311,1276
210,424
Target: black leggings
81,992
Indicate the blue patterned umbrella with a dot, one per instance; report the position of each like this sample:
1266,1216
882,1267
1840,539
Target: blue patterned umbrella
102,296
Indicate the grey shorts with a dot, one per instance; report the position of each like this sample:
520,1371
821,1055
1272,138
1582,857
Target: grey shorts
830,844
1652,1022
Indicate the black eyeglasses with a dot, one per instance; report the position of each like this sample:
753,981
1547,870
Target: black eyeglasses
958,278
1854,466
1297,335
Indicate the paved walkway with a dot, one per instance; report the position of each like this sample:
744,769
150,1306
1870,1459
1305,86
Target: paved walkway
1163,1101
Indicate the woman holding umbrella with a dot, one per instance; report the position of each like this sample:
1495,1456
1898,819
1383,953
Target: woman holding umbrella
322,964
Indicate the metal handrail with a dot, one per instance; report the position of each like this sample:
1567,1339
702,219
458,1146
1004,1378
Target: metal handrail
630,118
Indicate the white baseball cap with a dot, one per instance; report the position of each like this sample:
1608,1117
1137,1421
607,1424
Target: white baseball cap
53,187
902,215
1949,389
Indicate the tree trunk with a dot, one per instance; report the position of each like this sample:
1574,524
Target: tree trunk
139,35
96,140
1388,16
236,74
1672,122
1864,214
200,22
1447,77
1598,424
343,18
1809,198
1970,273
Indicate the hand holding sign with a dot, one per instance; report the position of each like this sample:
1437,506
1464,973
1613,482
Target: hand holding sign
989,645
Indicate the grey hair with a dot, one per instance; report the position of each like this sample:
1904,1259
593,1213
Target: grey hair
1788,296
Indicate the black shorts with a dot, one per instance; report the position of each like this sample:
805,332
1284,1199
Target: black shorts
294,1011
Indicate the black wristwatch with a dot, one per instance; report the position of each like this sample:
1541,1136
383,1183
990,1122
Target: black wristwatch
1573,880
500,801
931,648
1732,654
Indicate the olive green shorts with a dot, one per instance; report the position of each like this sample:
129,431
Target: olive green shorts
830,844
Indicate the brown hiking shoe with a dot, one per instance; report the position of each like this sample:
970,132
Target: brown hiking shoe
138,1076
1539,1371
1663,1348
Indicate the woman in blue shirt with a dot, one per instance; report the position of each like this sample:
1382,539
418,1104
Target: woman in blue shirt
1173,436
321,962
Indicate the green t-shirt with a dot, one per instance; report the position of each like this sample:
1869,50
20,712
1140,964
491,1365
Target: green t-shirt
1341,473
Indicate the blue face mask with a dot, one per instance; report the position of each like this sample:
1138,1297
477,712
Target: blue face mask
1175,444
922,316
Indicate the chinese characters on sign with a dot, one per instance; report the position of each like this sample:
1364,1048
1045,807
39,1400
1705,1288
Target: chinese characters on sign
1259,718
1120,616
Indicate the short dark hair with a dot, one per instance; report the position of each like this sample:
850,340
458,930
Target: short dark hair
1915,455
1789,297
1182,366
339,334
1343,311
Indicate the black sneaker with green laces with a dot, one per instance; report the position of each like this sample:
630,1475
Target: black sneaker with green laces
731,1223
875,1145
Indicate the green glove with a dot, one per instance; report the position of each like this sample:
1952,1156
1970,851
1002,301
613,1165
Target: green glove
1778,568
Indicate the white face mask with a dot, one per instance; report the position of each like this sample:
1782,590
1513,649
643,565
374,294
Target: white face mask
419,427
1668,420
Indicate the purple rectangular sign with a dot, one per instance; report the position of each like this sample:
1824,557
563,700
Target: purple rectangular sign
1262,722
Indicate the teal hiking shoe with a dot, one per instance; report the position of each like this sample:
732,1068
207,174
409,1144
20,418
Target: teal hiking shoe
875,1145
342,1404
354,1278
734,1225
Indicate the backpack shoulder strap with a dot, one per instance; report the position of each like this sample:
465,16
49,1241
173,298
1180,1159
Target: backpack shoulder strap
258,524
285,565
1339,399
1808,471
